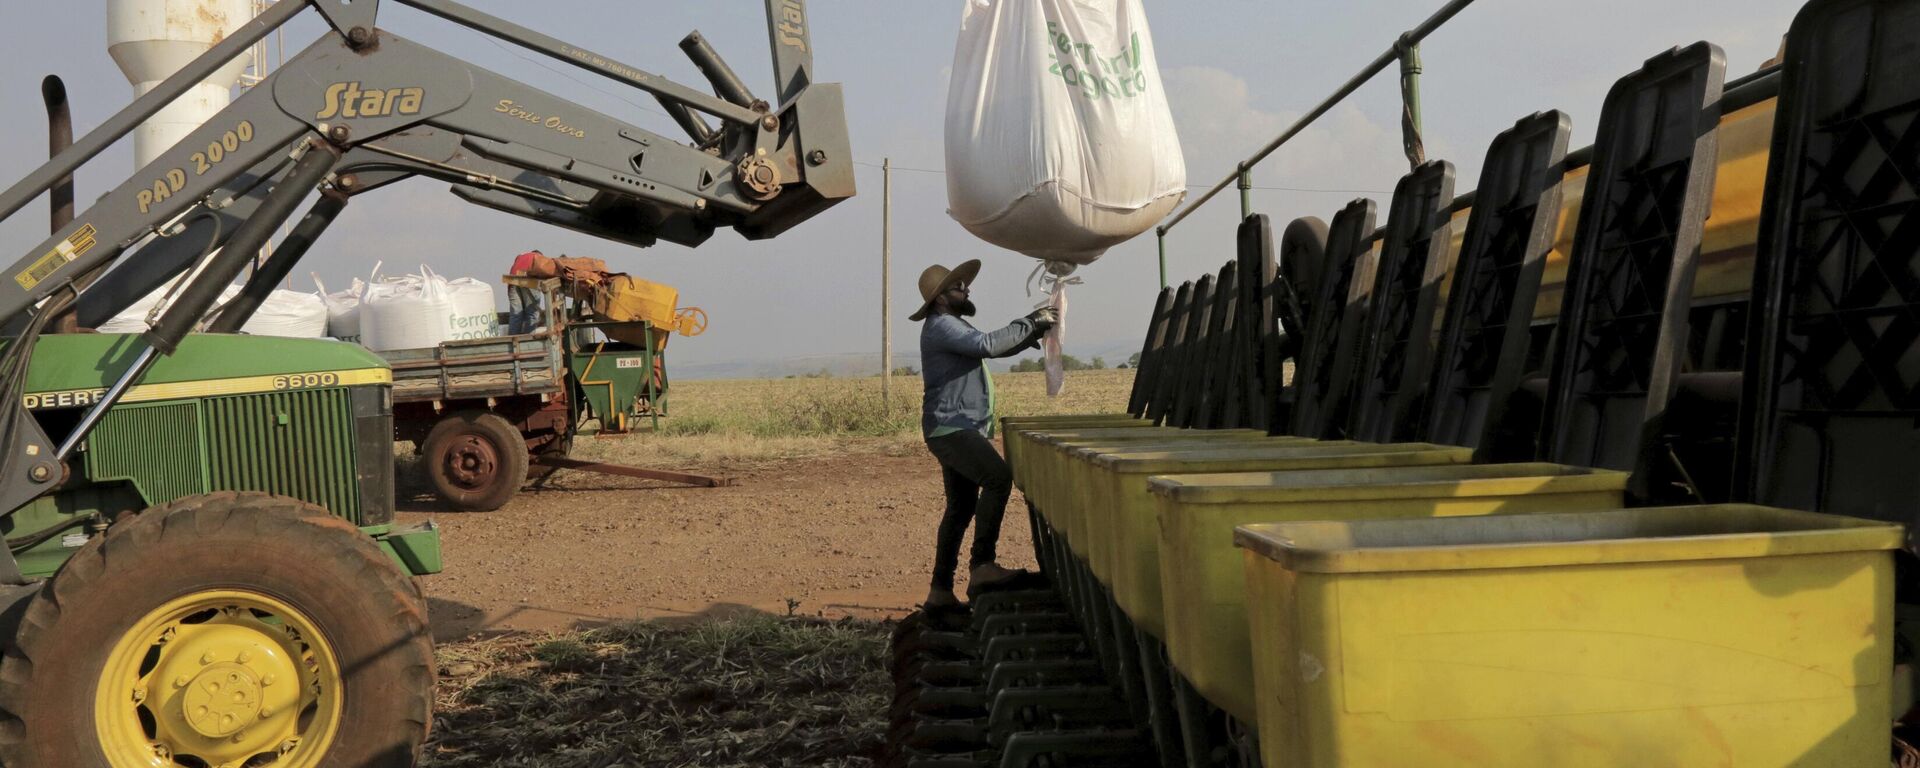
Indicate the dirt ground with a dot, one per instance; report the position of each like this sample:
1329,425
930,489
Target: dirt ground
849,532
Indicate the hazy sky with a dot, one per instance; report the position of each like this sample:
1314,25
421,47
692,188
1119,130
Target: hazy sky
1237,72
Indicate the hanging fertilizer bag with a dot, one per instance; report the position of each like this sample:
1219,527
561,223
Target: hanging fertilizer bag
1059,140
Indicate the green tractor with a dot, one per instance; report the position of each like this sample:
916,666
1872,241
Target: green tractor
218,574
202,565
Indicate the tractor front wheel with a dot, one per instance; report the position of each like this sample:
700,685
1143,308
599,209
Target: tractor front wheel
475,460
229,629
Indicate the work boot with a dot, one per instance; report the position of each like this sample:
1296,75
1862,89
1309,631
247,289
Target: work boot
940,600
987,575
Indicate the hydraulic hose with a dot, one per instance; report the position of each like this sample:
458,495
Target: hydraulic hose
252,234
279,264
31,540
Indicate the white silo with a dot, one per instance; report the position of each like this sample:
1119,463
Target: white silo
151,39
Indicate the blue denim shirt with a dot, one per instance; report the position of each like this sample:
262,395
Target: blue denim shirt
952,369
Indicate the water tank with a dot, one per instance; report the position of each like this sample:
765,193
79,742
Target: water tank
151,39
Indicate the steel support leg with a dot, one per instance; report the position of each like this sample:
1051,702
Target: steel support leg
1162,721
1090,748
1127,658
1200,731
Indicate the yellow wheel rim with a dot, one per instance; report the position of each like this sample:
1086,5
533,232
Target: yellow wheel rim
221,678
691,321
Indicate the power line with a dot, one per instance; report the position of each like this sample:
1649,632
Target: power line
1310,189
1189,186
901,168
644,108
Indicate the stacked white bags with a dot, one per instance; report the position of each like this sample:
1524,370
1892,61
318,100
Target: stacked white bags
1059,141
474,316
133,319
289,313
423,310
283,313
405,312
343,309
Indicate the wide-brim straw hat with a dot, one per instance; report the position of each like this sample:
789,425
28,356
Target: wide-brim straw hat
935,280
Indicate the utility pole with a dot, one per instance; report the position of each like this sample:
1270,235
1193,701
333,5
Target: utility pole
886,275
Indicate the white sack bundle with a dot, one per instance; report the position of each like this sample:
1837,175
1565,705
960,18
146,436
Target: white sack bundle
289,313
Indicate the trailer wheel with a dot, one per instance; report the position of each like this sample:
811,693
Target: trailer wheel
223,629
475,460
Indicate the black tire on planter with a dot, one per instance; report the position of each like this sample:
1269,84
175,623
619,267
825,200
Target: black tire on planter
369,611
475,460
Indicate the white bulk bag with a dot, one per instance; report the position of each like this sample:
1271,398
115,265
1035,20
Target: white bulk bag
343,309
474,313
133,319
406,313
289,313
1059,141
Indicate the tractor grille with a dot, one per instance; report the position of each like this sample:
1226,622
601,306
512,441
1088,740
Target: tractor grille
158,447
297,444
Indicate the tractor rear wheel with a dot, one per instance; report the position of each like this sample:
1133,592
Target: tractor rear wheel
221,630
475,460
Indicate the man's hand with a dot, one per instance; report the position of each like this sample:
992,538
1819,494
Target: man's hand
1043,320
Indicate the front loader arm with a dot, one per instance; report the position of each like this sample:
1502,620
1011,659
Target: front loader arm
792,43
364,108
374,165
252,132
767,169
503,144
780,166
422,152
517,149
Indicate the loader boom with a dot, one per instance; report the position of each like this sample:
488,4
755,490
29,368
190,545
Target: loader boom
362,108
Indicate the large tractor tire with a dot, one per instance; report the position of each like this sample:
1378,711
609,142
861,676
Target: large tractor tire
230,629
475,460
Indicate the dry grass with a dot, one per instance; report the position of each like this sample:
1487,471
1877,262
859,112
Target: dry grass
747,420
854,407
720,449
756,690
748,691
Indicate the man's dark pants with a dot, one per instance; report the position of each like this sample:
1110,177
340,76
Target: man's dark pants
978,483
